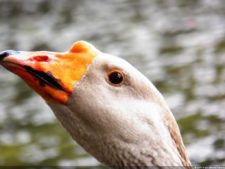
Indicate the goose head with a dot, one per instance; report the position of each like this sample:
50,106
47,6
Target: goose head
108,107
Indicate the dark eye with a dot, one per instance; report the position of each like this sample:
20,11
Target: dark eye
116,77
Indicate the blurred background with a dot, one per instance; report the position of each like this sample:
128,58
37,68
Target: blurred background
178,44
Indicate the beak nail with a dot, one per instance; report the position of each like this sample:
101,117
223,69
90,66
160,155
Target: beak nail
7,53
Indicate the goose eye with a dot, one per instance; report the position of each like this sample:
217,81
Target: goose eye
116,77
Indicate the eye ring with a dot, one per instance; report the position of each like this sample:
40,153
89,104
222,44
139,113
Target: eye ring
115,77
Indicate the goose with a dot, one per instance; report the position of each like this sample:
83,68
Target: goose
107,106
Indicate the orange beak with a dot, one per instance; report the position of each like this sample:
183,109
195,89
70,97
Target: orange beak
52,75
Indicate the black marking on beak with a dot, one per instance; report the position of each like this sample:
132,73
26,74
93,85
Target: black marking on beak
44,78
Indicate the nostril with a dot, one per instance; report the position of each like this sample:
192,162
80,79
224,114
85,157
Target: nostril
40,58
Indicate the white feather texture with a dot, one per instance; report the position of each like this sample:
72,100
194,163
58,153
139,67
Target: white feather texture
122,126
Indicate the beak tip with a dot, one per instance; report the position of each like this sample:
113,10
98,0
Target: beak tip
7,53
3,55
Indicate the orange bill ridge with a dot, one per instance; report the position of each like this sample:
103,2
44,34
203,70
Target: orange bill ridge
53,75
